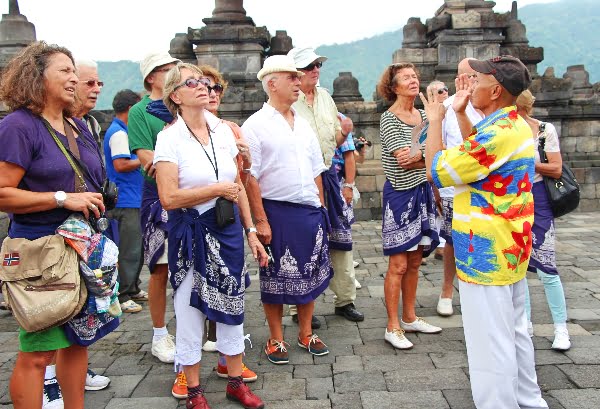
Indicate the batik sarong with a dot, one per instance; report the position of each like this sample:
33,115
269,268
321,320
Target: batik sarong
409,219
543,255
341,216
301,267
154,225
215,256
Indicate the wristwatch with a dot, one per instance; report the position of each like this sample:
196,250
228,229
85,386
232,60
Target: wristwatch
250,230
60,198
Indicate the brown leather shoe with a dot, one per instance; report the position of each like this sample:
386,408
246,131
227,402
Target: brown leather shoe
197,402
244,395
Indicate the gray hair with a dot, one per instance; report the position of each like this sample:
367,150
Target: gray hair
265,81
433,84
86,63
172,80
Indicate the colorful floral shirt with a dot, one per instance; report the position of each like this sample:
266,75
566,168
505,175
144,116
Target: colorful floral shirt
493,205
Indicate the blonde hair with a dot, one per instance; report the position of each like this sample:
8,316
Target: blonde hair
172,80
525,101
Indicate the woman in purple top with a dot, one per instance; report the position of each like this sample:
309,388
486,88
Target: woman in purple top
36,188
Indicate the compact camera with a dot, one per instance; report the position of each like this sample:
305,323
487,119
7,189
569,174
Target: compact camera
110,193
359,143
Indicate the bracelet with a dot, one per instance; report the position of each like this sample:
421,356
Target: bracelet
251,230
350,185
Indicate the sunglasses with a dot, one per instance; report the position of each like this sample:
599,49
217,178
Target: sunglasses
91,83
442,90
193,83
312,66
218,88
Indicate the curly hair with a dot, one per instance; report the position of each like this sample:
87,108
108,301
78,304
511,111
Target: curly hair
210,71
387,82
22,82
172,80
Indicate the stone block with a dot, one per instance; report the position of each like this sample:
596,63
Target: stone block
590,356
146,403
550,357
449,359
592,175
359,381
380,180
405,400
347,364
294,404
577,398
345,401
283,387
587,144
366,184
312,371
459,398
470,19
584,376
426,380
318,388
568,144
578,128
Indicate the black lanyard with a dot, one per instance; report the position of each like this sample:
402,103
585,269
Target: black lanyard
214,164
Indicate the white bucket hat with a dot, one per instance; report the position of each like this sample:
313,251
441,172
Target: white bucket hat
304,56
153,60
277,63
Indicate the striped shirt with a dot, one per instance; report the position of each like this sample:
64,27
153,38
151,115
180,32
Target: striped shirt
394,135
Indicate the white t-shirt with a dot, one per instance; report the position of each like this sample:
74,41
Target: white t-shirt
551,145
451,135
177,145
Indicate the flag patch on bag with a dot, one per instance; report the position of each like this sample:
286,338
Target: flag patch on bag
11,259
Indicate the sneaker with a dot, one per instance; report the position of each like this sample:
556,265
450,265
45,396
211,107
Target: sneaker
130,306
562,341
164,349
444,307
209,346
530,329
277,352
419,325
141,296
244,395
179,390
398,339
247,374
314,345
52,396
355,263
357,284
197,402
95,382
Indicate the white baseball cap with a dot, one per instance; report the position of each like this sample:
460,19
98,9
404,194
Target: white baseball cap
153,60
277,63
303,56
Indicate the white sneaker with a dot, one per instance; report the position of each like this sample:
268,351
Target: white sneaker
356,263
209,346
419,325
444,307
164,349
357,284
530,329
52,396
561,340
398,339
95,382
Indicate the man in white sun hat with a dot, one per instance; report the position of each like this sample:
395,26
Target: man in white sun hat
285,191
318,108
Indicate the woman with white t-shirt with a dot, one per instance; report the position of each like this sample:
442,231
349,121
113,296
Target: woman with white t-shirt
196,171
543,256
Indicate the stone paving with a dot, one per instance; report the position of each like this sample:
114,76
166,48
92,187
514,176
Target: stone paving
362,371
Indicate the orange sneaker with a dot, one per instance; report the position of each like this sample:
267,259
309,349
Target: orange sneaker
180,390
247,374
314,345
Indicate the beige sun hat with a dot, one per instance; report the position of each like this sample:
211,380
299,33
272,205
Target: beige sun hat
277,63
304,56
153,60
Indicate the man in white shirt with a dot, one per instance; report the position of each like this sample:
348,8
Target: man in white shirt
285,191
451,137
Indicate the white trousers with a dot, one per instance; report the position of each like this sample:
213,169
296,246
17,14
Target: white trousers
499,349
190,329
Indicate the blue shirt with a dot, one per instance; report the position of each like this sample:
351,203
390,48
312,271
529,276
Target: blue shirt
129,183
338,155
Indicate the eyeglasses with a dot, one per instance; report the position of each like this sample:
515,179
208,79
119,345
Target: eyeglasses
91,83
312,66
218,88
442,90
193,83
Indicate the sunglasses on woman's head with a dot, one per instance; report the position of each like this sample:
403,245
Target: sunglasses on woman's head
312,66
442,90
193,83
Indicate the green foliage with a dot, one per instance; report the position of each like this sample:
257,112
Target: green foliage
566,29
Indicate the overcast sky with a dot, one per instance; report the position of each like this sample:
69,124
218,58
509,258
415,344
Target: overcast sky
111,30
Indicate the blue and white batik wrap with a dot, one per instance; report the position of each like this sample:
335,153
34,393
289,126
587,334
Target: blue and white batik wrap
153,219
341,216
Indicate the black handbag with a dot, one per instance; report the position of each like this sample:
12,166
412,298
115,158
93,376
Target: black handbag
563,192
224,212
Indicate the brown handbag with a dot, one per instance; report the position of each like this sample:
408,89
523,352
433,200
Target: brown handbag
41,282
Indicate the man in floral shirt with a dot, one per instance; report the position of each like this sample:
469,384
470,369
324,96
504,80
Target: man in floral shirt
493,212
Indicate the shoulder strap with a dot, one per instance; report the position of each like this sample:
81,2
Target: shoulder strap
71,139
542,142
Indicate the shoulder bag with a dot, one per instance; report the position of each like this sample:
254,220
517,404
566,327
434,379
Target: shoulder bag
563,192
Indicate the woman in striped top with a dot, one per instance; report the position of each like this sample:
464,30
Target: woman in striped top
409,231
